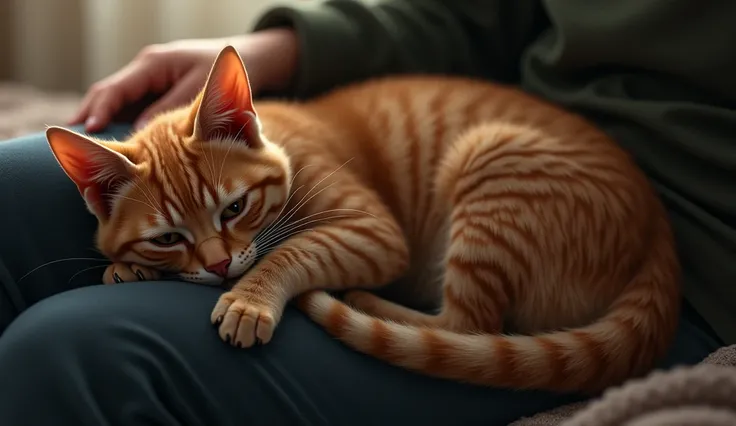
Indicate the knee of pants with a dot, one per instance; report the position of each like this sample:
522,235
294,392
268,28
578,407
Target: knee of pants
83,363
49,337
56,367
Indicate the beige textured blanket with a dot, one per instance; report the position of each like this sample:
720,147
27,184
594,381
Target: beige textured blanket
24,109
702,395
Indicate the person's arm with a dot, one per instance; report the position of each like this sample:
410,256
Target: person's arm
342,41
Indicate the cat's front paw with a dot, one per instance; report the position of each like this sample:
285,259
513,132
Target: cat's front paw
128,272
242,322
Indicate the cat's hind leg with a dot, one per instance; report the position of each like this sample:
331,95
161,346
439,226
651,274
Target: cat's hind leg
490,234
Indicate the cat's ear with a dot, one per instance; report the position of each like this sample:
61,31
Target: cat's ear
96,169
225,108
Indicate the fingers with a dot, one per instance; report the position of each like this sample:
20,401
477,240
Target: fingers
182,93
108,96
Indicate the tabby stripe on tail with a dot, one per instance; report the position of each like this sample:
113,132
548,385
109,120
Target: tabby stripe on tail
587,359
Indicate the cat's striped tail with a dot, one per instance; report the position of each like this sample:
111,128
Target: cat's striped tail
625,342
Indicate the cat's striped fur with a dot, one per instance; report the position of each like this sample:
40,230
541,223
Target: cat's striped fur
512,215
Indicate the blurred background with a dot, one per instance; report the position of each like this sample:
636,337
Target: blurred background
52,50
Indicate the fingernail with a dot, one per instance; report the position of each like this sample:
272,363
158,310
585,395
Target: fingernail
227,338
116,278
140,276
92,122
238,344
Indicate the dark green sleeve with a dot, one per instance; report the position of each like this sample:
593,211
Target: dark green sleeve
342,41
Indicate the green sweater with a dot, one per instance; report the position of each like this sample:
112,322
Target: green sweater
658,75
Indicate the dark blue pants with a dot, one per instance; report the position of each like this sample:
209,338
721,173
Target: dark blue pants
74,353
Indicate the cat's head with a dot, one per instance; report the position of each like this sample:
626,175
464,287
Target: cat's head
189,193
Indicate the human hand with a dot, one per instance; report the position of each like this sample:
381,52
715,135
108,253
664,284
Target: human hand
178,70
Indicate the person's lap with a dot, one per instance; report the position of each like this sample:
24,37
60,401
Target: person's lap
145,353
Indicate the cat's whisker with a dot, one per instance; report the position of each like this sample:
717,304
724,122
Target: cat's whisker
308,217
277,231
302,202
274,227
266,249
307,220
298,205
280,220
288,229
69,259
293,192
85,270
95,250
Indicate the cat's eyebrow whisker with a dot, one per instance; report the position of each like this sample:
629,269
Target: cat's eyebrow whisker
155,200
229,148
149,196
85,270
210,164
140,201
91,259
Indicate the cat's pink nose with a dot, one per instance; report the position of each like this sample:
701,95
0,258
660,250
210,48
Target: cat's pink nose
219,269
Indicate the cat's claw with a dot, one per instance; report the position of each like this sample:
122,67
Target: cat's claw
128,272
241,322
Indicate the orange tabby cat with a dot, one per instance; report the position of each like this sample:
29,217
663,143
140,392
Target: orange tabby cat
512,215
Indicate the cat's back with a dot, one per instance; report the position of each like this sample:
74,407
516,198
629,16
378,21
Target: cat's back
395,131
408,122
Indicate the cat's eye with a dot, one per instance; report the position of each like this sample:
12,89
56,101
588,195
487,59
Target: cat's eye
167,239
233,209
